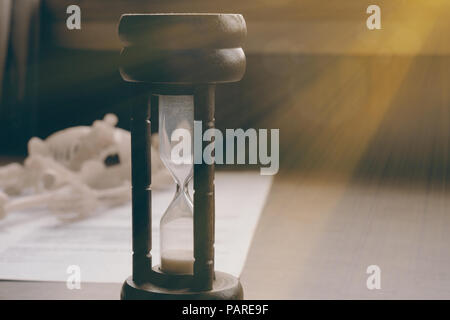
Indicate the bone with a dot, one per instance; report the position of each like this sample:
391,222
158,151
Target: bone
8,205
66,172
11,178
3,201
69,199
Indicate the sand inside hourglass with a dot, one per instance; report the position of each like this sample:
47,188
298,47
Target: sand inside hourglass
177,261
176,226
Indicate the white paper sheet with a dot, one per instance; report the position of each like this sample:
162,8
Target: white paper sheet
35,245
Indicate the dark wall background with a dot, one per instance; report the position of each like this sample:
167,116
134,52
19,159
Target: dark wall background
335,113
341,112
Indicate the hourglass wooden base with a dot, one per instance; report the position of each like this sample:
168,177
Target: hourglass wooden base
225,287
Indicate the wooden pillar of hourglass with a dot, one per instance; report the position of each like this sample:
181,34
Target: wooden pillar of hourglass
178,54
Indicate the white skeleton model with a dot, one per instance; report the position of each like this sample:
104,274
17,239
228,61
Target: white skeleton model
76,170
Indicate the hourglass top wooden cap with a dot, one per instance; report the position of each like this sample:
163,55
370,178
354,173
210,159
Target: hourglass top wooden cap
182,48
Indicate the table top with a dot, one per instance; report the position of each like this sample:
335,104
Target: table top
317,237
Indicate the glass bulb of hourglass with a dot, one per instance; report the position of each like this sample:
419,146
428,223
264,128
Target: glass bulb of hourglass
176,226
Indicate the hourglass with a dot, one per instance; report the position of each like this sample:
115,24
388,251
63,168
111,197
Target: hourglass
177,59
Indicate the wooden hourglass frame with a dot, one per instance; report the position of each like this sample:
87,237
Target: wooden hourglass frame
178,54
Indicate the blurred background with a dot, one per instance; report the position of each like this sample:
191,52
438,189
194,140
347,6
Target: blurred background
347,100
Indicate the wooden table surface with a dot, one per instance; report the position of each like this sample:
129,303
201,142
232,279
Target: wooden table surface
316,238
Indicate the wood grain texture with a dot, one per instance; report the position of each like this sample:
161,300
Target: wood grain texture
204,196
34,290
285,26
183,31
141,187
318,235
182,48
316,238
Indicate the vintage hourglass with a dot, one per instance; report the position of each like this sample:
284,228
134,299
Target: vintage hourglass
176,60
